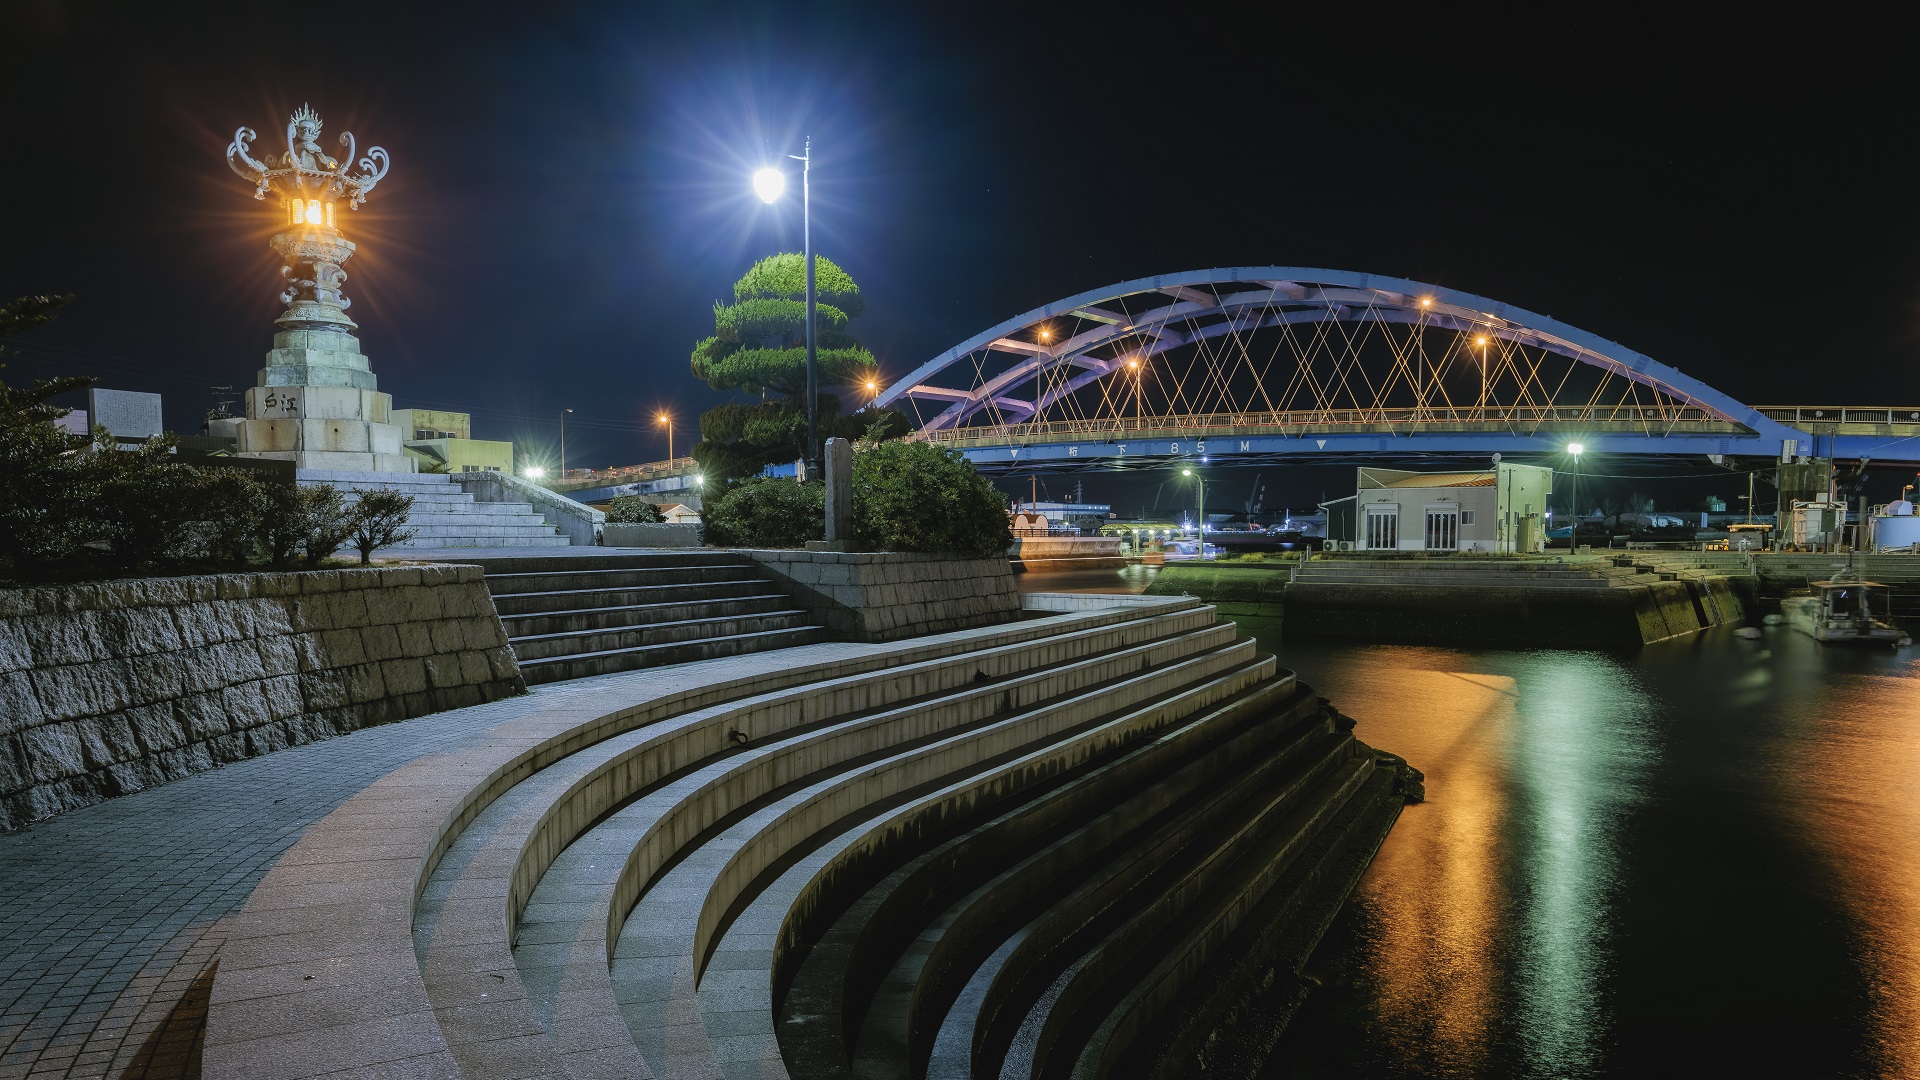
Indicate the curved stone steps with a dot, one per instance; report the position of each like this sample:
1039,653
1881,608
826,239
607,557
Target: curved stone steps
501,855
676,917
839,975
969,767
640,877
1142,965
1235,1003
319,975
1173,853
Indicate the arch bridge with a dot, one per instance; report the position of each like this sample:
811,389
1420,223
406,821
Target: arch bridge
1277,363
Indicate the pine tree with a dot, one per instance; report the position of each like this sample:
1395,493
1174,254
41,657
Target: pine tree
759,347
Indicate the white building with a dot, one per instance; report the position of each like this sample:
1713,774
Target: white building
1500,509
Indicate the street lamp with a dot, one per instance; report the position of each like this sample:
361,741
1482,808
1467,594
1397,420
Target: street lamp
1203,509
666,420
770,183
533,472
1573,537
563,442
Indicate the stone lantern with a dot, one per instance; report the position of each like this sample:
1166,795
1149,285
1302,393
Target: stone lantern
316,403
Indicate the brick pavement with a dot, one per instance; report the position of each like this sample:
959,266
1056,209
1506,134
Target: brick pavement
110,913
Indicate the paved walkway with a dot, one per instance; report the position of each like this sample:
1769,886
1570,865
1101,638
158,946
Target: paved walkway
109,913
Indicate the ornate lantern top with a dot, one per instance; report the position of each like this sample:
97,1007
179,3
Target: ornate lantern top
305,173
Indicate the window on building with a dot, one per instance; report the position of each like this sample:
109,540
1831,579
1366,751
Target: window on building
1383,527
1466,517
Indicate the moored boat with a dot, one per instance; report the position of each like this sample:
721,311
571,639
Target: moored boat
1845,610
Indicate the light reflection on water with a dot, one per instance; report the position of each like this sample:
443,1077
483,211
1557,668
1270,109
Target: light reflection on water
1703,857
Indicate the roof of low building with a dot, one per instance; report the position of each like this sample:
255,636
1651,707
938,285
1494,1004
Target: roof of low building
1431,480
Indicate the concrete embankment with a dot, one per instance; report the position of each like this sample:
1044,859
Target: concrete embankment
112,687
1536,603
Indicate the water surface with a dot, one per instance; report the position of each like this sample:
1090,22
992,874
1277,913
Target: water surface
1699,858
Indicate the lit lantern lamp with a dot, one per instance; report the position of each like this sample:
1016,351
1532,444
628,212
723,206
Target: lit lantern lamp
301,212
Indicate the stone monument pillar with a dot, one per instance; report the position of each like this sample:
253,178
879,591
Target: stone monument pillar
316,403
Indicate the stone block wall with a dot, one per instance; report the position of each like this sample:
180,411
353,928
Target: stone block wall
111,687
886,596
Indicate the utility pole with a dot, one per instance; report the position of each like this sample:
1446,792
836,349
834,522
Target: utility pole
563,443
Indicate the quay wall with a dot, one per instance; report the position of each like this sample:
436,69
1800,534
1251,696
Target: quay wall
110,687
886,596
1620,616
1052,554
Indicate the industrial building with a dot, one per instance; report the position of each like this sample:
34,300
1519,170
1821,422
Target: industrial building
1502,509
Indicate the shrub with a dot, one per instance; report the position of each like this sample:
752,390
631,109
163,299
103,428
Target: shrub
767,511
327,521
632,510
379,520
232,502
914,496
149,506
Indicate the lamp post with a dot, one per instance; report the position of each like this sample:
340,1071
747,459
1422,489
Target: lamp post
769,183
563,442
1573,537
666,420
1203,508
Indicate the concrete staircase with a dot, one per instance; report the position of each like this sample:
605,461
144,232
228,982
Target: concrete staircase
1092,842
443,515
572,616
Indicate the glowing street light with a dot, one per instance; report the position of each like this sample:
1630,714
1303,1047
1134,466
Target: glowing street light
665,420
1573,538
770,183
1203,509
533,472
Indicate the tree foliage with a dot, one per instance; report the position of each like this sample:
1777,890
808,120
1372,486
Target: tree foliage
914,496
767,512
906,497
758,347
73,506
632,510
379,520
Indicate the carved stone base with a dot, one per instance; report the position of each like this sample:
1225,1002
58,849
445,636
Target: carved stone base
316,406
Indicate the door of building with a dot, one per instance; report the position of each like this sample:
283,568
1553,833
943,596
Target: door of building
1443,528
1383,527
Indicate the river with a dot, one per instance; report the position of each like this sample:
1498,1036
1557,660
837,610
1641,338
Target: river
1701,858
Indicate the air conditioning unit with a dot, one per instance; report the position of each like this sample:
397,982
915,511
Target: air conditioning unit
1344,545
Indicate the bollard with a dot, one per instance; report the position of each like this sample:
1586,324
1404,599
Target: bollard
839,472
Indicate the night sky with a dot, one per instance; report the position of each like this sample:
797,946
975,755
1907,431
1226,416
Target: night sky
1727,190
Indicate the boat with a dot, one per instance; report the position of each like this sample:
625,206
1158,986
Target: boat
1845,610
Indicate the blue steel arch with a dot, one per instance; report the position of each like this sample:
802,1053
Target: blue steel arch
1317,294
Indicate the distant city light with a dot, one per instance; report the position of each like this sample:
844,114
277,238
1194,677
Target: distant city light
769,183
